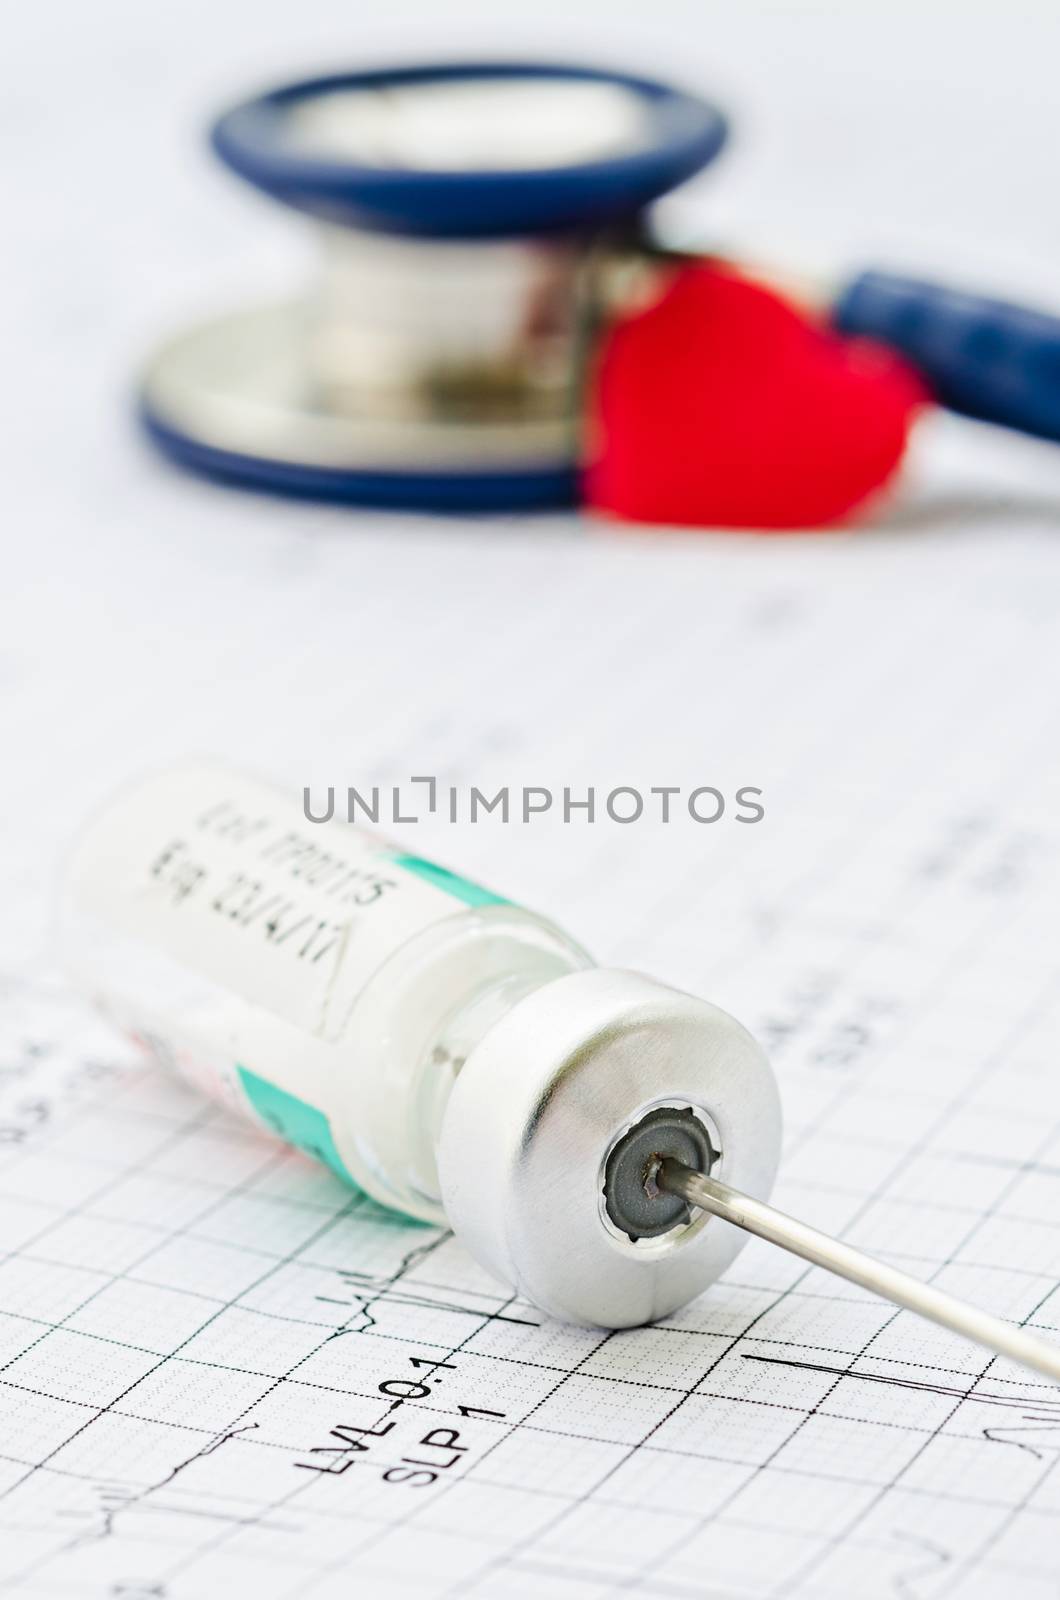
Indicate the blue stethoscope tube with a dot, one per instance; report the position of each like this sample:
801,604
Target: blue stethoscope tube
984,358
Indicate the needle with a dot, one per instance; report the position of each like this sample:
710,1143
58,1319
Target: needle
1005,1338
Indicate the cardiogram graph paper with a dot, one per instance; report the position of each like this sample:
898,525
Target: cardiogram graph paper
229,1372
223,1373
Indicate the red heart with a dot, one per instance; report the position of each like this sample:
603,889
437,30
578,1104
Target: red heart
721,405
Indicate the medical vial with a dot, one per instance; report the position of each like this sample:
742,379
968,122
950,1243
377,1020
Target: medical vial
452,1054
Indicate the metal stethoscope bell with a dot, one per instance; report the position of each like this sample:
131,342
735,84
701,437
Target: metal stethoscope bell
436,361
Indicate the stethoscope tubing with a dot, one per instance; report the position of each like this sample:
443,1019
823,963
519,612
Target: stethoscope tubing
982,357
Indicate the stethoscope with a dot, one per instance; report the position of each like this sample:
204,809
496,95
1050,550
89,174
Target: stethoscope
481,225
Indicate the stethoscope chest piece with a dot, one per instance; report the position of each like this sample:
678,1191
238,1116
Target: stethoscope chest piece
436,359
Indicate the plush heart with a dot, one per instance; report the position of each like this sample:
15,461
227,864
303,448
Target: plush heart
721,405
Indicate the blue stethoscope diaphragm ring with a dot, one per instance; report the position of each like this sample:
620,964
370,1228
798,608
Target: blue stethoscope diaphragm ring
550,487
654,138
437,361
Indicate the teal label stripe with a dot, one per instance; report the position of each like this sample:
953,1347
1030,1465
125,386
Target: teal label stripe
472,894
294,1120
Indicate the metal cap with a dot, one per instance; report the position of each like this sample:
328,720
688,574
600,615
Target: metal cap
547,1146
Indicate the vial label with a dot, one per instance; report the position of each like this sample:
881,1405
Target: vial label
225,915
294,1120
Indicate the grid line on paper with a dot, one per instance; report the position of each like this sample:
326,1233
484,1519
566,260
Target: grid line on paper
269,1157
453,1351
982,1554
1048,995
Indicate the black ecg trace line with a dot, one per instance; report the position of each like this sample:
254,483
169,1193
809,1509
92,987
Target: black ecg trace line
1049,1408
367,1289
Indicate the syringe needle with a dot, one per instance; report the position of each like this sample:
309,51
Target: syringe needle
709,1194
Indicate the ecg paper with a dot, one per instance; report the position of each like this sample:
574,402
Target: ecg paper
221,1373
